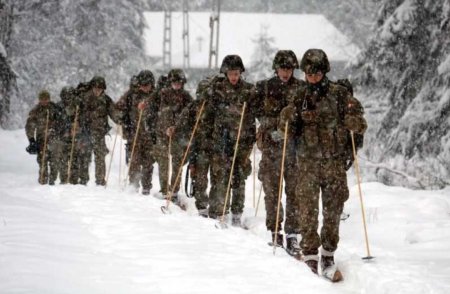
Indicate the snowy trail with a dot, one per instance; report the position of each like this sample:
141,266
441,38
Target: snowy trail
76,239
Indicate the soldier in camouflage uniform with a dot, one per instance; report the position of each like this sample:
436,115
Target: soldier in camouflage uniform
141,165
324,113
61,150
272,97
36,128
173,100
96,108
225,99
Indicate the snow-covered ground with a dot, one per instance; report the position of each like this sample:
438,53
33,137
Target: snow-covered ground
76,239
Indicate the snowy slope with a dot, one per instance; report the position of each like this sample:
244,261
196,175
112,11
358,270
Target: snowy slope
76,239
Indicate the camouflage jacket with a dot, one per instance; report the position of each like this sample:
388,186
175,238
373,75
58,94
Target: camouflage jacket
37,120
172,104
127,106
272,95
223,113
320,115
94,113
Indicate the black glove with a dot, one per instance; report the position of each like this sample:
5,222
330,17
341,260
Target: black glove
33,147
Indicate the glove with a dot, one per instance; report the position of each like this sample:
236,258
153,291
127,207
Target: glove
277,136
33,147
355,123
309,116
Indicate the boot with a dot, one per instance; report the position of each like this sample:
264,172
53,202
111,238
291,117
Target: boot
313,265
329,269
292,247
236,220
203,212
278,237
145,192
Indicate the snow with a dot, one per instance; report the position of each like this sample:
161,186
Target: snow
77,239
2,51
238,31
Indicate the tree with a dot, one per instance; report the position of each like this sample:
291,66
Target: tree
261,65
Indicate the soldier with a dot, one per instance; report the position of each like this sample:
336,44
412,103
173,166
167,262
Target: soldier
96,108
200,156
173,100
225,99
41,129
272,97
141,165
324,113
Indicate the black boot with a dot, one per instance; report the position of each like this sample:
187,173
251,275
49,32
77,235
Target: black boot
278,237
313,265
292,247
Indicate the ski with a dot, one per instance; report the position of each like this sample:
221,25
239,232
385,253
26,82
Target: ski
333,274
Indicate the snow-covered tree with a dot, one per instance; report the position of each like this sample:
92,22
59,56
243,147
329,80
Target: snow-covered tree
405,71
261,65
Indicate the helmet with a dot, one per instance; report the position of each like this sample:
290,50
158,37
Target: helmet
44,95
315,60
67,93
98,82
163,81
133,82
231,62
145,77
176,75
285,59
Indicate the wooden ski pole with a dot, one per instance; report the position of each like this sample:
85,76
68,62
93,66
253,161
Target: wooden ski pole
112,155
134,146
169,163
254,176
72,147
222,218
259,198
41,176
355,157
120,155
165,208
280,187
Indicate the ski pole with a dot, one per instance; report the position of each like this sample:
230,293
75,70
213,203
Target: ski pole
280,187
259,198
169,163
74,129
120,154
254,175
134,145
355,157
112,155
165,208
222,224
41,176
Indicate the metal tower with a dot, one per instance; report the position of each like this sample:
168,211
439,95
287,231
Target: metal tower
214,21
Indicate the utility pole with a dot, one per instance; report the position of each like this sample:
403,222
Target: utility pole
186,57
214,21
167,37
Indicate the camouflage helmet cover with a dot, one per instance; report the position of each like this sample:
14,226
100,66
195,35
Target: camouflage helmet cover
67,93
232,62
315,60
176,75
145,77
285,59
98,82
44,95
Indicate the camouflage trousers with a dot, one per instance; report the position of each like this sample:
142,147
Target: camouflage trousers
61,154
79,164
199,176
269,175
326,177
48,171
100,151
162,157
141,165
220,173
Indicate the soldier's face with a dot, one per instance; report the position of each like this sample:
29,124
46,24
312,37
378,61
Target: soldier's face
177,85
145,88
44,102
97,91
284,74
314,78
233,76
